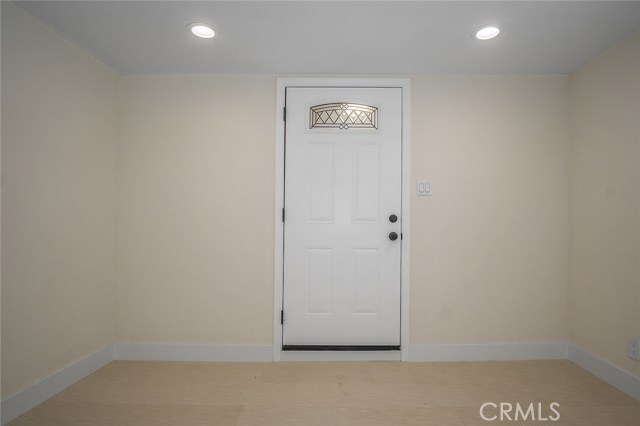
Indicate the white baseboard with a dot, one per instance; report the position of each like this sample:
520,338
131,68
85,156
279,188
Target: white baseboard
608,372
489,351
193,352
21,402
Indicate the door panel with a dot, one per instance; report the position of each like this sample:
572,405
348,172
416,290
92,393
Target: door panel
342,182
366,164
366,281
319,281
320,189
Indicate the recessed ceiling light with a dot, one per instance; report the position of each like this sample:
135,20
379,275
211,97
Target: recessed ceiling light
488,32
201,30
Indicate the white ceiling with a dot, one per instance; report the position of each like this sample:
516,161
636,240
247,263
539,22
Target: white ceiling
341,37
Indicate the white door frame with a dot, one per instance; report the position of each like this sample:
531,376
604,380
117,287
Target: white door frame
405,85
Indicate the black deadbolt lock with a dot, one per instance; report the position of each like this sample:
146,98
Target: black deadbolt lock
393,218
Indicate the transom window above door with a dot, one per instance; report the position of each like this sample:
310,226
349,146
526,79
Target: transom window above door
343,115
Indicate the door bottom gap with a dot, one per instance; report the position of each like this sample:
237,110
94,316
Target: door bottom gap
340,347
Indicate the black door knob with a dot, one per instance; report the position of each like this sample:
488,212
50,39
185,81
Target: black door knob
393,236
393,218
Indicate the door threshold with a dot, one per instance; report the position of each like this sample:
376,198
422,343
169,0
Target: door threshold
340,347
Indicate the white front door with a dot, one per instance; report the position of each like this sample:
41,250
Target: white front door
343,180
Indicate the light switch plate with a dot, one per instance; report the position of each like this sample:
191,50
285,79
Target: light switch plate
633,346
423,187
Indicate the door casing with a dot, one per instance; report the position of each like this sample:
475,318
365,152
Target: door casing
282,84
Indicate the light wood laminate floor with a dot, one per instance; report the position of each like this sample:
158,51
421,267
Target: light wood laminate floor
128,393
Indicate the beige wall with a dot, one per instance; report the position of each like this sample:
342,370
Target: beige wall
490,247
58,198
195,210
605,204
